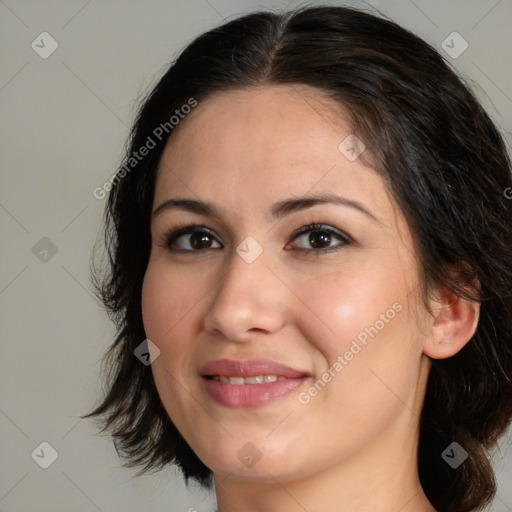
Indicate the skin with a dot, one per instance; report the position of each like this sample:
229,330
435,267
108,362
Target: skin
352,447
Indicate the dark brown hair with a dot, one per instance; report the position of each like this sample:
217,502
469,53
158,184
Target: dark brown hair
445,164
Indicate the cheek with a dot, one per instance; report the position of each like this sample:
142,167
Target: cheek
167,305
348,304
168,301
154,302
364,318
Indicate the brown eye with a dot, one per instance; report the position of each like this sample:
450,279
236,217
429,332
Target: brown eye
190,239
318,238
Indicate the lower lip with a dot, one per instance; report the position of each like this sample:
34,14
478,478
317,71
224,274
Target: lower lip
250,395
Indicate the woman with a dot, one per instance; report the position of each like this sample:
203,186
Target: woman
310,252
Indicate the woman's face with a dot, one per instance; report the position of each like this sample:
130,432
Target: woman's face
336,303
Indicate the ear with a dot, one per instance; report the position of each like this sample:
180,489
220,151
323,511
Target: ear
453,324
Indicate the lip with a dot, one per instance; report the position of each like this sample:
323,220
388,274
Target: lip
250,395
250,368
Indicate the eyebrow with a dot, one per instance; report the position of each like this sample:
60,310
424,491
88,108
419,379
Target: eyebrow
278,210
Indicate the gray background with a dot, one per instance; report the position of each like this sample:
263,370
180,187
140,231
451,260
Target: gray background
65,120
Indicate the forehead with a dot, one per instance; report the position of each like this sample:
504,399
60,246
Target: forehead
256,145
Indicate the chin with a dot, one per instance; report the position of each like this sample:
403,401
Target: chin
250,464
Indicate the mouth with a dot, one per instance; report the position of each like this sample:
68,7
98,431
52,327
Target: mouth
250,383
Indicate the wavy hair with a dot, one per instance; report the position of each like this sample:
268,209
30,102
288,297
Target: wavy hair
444,162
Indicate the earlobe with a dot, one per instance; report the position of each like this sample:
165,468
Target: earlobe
453,324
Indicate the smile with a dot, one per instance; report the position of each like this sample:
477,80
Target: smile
258,379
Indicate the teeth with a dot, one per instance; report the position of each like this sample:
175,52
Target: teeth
258,379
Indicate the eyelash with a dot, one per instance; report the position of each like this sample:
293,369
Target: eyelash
184,229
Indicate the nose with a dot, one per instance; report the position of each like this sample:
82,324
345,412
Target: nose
249,299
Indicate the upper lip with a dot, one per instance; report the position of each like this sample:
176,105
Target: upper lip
249,368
